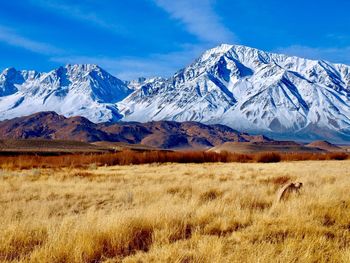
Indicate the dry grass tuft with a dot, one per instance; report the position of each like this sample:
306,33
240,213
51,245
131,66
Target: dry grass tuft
84,174
210,195
84,243
18,241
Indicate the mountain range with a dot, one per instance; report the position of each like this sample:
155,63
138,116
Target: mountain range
159,134
244,88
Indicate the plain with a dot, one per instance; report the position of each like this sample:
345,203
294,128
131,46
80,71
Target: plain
212,212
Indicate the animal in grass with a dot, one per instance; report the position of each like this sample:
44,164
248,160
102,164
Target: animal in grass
287,190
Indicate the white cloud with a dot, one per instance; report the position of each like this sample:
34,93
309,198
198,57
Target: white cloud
199,18
10,37
335,55
126,68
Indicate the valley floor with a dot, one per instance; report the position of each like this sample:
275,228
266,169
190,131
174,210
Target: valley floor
176,213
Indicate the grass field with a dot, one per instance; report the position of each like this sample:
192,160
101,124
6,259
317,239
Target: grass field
211,212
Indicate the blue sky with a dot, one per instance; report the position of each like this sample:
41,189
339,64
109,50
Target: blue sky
157,37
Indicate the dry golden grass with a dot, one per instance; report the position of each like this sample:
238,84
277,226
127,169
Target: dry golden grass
176,213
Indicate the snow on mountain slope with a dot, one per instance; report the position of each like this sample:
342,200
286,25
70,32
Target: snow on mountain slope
84,90
245,88
253,91
138,83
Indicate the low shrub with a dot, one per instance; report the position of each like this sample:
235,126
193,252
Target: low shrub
268,157
338,156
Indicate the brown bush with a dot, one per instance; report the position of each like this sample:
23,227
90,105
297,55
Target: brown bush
314,156
268,157
337,156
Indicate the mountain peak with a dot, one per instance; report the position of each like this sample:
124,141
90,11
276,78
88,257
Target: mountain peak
218,50
83,67
224,48
9,71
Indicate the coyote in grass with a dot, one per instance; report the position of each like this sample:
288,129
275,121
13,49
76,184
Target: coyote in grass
287,190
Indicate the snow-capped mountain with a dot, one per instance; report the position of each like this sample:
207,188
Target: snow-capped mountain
245,88
85,90
252,91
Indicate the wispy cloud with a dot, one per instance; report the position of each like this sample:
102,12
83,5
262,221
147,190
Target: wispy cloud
335,55
199,18
128,68
80,12
10,37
